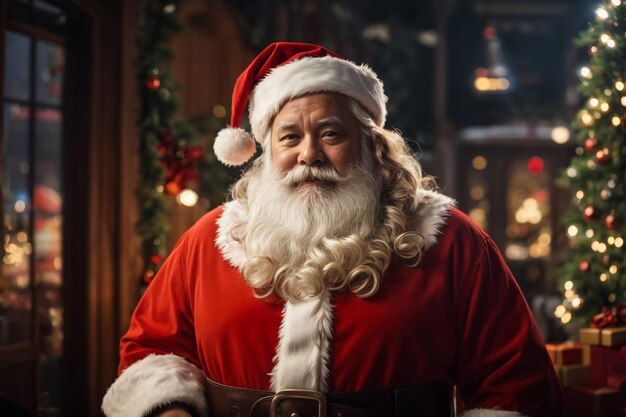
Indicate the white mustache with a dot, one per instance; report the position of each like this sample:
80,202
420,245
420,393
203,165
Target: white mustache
302,173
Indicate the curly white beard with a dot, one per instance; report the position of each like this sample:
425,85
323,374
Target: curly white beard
302,238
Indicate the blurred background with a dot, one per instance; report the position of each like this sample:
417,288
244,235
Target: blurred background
483,90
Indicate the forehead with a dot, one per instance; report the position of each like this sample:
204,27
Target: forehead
315,106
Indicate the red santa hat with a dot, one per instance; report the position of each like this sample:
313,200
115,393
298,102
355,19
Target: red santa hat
284,71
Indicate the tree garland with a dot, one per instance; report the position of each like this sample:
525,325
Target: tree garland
168,160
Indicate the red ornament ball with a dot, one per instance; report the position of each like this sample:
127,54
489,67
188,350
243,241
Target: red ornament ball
591,144
156,259
590,213
173,188
584,266
153,83
603,156
611,222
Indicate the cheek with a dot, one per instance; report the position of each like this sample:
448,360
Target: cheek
344,157
283,159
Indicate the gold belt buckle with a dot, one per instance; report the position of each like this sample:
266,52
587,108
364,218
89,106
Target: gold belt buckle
317,396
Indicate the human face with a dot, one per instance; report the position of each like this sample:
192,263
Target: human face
315,130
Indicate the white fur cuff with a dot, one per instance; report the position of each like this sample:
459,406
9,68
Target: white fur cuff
483,412
154,381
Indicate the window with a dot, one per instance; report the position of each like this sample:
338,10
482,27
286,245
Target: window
31,283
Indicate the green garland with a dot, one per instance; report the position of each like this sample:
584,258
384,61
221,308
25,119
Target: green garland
594,276
169,162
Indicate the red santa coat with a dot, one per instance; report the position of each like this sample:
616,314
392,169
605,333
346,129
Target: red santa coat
458,316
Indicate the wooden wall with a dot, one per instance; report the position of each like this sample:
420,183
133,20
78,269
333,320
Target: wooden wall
209,55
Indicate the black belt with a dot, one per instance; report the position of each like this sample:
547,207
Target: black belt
430,400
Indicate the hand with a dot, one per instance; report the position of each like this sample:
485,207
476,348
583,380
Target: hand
174,412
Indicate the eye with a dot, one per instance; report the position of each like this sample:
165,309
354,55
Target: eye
330,134
288,137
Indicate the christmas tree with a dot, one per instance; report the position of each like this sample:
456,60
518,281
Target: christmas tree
594,275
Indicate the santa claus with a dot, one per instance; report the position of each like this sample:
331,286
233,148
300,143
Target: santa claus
337,281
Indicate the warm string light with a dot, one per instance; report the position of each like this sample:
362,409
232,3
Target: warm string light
586,118
16,251
572,301
571,172
585,72
187,198
602,13
572,231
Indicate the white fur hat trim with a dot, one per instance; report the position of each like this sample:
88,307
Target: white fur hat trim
315,75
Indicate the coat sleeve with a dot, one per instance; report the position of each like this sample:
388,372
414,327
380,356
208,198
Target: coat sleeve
158,357
503,367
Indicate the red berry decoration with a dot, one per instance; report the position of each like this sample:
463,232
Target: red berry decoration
584,266
591,144
590,213
148,276
611,222
153,83
603,156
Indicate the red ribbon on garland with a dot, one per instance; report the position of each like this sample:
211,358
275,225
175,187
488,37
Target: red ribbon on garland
180,163
610,317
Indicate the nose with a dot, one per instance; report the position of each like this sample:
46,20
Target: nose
311,152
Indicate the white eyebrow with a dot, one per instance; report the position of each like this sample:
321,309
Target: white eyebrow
286,126
332,120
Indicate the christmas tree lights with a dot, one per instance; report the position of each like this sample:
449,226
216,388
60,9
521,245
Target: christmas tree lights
594,275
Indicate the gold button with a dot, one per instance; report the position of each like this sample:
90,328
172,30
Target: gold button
294,414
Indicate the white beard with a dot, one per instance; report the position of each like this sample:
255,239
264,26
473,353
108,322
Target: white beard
295,227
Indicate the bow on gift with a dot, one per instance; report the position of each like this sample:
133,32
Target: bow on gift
609,317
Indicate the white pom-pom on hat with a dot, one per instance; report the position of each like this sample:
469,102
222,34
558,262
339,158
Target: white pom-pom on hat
234,146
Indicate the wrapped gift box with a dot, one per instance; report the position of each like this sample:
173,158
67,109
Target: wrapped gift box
610,336
586,355
608,366
573,374
592,401
563,354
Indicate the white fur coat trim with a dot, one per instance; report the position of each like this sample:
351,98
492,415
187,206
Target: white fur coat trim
303,352
154,381
483,412
431,216
429,220
314,75
230,248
